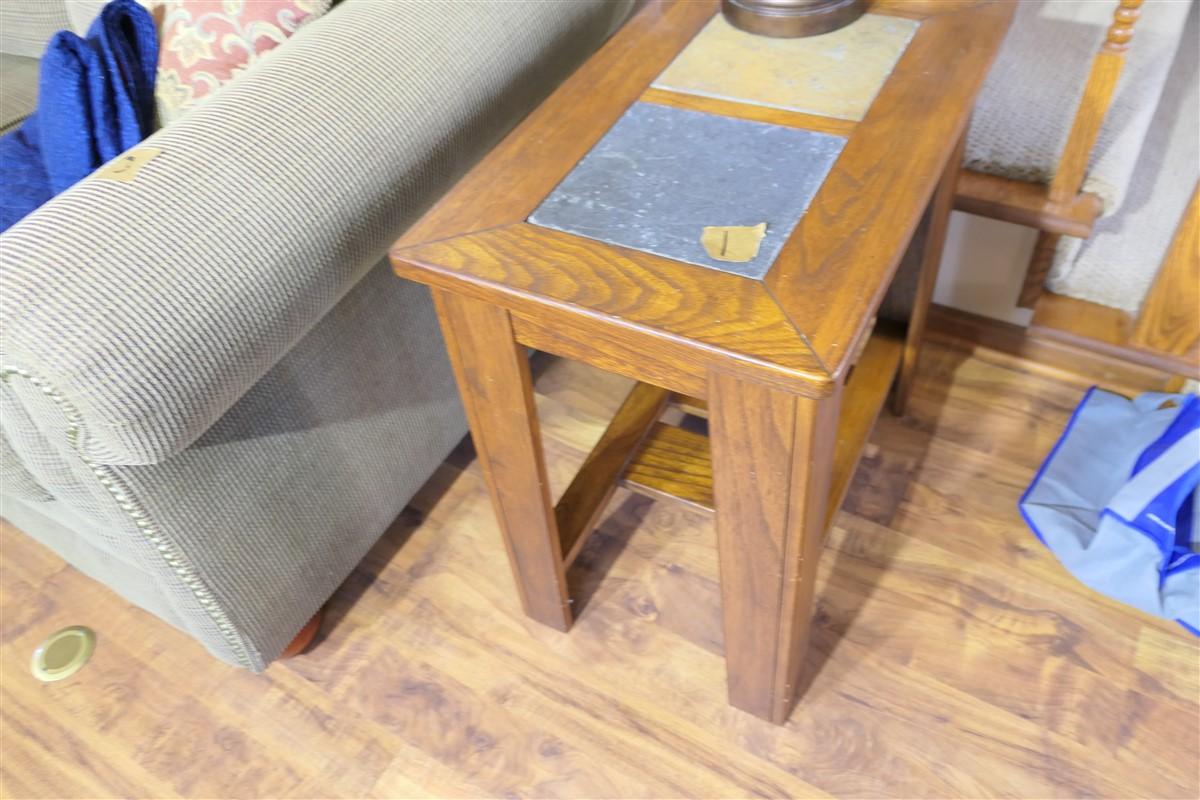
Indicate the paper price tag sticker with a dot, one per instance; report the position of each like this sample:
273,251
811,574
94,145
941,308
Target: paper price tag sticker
738,243
126,166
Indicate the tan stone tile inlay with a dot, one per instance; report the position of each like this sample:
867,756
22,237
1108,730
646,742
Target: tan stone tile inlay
834,75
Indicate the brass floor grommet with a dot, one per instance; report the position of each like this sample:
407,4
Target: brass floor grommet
63,654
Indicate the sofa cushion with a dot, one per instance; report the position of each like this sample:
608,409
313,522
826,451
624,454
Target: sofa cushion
26,26
81,13
19,98
1024,113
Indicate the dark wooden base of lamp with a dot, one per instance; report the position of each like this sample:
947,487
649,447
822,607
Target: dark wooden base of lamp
788,19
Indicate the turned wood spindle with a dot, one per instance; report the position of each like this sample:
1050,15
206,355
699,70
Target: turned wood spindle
1064,207
1085,130
1121,30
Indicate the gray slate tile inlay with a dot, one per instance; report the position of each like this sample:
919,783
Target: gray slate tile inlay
661,174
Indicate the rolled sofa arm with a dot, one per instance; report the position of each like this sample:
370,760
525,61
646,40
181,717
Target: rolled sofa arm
149,307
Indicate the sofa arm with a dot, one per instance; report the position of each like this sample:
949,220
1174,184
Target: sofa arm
148,307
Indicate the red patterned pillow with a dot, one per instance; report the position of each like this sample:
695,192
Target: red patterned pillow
205,44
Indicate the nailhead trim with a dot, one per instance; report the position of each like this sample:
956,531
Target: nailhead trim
109,479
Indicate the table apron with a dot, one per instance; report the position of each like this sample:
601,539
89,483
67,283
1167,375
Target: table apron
658,360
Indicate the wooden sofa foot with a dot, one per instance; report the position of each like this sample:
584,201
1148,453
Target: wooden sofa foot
305,637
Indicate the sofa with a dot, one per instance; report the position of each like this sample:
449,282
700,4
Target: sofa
215,395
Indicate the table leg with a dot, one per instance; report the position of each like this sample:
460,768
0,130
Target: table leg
938,219
772,460
493,377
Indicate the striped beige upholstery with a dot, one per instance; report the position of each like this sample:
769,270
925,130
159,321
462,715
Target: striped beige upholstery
80,13
218,395
270,509
265,205
73,538
25,28
15,479
18,89
26,25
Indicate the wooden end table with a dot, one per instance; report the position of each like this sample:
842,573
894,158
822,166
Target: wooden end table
580,235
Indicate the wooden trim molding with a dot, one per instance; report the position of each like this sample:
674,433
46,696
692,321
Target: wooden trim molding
958,328
1110,331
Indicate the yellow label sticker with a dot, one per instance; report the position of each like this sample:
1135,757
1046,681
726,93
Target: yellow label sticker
126,166
733,243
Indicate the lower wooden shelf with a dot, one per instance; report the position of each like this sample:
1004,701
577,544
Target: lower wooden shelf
673,463
676,463
665,461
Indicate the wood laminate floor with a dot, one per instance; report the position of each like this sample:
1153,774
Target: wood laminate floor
952,656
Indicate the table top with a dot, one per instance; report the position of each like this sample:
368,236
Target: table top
592,210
